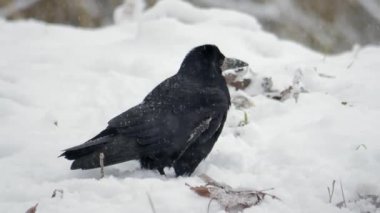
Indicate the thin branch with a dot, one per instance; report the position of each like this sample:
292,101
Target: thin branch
209,204
331,193
151,203
355,55
344,199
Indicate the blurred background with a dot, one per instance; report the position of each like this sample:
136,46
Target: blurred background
328,26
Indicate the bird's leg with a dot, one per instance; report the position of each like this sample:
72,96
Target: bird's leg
161,171
101,162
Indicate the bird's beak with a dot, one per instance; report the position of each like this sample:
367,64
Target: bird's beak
233,63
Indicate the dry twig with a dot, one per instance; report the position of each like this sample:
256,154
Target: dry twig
331,193
344,199
151,203
56,191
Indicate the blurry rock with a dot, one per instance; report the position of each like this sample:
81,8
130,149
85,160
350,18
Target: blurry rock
4,3
150,3
325,25
84,13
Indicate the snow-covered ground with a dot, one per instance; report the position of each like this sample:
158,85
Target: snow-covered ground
60,85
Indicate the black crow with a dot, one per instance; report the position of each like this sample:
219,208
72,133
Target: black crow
176,125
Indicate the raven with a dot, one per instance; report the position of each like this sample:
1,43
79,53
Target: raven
176,125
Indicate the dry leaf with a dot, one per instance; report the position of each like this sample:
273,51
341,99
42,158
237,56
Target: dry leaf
200,190
32,209
239,84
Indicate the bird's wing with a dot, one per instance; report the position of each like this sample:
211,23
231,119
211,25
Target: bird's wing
208,117
199,129
146,123
198,149
188,113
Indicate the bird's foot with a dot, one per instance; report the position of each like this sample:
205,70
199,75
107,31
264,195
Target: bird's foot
161,171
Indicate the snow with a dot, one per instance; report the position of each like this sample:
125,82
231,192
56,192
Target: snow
82,78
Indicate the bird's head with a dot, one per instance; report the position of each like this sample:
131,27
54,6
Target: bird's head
207,62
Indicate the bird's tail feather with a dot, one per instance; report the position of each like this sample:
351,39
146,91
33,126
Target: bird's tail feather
115,150
86,148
